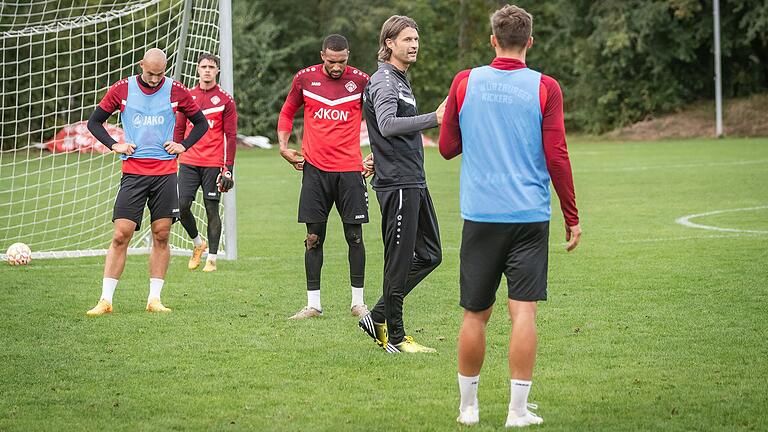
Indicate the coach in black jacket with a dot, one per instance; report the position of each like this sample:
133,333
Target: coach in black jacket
409,224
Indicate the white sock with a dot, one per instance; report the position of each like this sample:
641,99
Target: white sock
108,286
212,257
313,299
468,389
197,240
519,396
357,296
155,287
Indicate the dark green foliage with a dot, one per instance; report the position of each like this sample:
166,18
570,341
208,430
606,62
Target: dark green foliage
618,62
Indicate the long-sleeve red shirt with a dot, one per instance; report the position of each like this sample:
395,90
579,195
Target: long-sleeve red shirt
217,147
552,128
332,116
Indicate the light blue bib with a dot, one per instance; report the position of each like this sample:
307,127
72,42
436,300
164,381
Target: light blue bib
504,177
148,120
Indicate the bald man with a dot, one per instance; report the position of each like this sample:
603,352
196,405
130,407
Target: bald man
147,103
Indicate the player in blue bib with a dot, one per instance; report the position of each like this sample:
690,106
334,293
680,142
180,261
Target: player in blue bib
148,103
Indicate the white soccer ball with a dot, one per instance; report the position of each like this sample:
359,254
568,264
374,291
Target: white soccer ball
18,254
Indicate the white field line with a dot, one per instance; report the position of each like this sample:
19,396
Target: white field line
686,221
665,239
675,166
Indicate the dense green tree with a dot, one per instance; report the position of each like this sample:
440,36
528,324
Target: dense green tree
617,61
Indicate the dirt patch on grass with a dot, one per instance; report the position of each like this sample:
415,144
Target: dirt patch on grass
745,117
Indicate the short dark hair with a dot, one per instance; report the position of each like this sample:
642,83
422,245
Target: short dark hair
512,26
207,56
335,42
390,29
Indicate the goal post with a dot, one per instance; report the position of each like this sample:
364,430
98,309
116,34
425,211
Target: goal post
57,186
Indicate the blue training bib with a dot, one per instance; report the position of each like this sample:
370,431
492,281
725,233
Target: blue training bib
148,120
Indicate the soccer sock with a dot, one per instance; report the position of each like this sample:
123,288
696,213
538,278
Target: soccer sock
313,299
468,390
212,257
519,396
108,286
357,296
197,241
155,287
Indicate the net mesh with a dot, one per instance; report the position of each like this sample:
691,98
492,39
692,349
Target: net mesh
57,188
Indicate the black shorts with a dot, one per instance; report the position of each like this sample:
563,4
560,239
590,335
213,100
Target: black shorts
321,189
159,193
517,250
192,177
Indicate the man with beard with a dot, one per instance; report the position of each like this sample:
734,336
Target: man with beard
331,162
148,103
408,220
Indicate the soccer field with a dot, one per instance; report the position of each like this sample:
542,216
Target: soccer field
650,324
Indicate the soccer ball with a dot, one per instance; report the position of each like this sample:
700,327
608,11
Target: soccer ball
18,254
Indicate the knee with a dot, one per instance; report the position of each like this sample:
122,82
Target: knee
185,204
313,241
160,238
434,260
120,239
212,208
354,237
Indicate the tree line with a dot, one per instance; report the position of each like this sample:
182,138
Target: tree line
617,61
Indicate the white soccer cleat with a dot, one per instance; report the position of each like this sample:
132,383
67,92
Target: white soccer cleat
469,416
529,418
359,310
306,312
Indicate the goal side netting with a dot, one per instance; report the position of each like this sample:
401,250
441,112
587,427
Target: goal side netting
57,184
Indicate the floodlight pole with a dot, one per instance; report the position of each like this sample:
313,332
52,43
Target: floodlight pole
227,83
718,72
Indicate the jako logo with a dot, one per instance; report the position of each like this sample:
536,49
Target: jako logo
331,114
140,120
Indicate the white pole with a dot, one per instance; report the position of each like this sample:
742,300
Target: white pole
181,49
718,73
227,83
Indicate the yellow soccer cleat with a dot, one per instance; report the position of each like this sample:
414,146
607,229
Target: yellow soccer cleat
154,305
101,308
408,345
197,253
210,266
377,331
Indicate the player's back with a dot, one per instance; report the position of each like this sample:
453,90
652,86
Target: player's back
504,175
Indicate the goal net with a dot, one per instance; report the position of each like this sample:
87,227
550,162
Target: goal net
57,184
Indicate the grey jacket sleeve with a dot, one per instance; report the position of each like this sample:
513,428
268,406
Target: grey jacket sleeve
385,105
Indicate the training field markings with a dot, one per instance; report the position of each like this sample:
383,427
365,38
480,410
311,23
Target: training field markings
686,221
715,236
676,166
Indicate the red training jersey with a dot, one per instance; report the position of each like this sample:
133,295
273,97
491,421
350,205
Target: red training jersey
181,101
552,132
332,116
217,147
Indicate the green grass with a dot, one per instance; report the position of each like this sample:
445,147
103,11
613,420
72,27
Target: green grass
649,325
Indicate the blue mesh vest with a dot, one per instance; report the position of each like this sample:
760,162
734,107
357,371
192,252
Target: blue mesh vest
148,120
504,177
